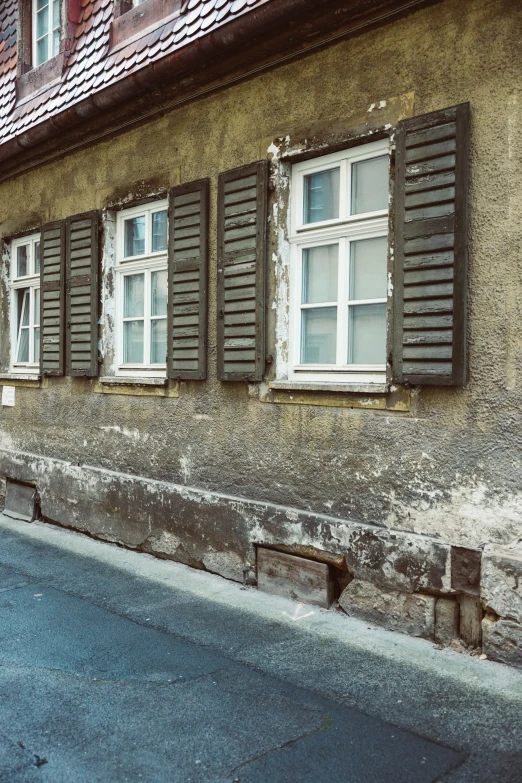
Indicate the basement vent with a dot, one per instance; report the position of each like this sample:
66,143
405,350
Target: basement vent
20,500
294,577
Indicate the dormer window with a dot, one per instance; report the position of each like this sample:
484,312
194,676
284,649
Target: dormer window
46,30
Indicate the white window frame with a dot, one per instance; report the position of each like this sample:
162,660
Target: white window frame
50,32
146,263
32,282
342,230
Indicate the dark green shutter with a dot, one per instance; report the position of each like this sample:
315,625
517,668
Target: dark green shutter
82,294
188,279
242,225
431,225
52,280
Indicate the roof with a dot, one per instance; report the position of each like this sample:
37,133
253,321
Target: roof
92,66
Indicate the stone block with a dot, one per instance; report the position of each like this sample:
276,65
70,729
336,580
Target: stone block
446,620
502,640
470,625
501,583
398,560
411,613
465,569
294,577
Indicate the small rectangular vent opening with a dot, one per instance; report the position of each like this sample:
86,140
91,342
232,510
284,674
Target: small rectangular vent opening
20,500
297,578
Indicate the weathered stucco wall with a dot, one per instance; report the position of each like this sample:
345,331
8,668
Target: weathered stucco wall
448,467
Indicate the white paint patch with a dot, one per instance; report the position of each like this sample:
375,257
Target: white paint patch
390,284
108,314
185,465
132,434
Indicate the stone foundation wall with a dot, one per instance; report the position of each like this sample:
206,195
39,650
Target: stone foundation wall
410,583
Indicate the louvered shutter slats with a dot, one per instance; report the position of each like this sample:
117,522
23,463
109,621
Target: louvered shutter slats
241,272
82,294
431,248
52,260
188,281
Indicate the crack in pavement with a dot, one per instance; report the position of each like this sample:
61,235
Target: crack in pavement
14,587
327,722
5,665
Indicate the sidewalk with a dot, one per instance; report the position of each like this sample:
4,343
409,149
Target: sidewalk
116,666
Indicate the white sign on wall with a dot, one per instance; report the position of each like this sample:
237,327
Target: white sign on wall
8,396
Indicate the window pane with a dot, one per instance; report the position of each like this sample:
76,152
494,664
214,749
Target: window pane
36,306
37,345
368,268
159,293
56,42
56,13
370,185
158,341
321,196
367,334
37,258
319,335
23,346
135,236
133,295
41,4
41,51
159,231
42,22
23,307
133,342
320,274
22,261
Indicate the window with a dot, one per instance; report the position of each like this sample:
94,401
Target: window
46,30
137,2
25,302
141,290
338,285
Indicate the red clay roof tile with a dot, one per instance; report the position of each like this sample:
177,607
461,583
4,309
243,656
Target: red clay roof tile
91,64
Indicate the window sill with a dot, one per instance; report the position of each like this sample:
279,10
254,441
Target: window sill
137,387
39,78
354,388
31,380
143,19
365,397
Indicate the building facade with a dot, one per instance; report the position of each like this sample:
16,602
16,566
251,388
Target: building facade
261,283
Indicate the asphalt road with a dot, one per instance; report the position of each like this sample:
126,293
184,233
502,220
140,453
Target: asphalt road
115,666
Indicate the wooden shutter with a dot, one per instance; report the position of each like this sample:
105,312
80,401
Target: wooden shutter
431,224
82,294
242,223
188,279
52,282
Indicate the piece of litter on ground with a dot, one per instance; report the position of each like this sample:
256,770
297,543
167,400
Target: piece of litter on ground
38,595
483,657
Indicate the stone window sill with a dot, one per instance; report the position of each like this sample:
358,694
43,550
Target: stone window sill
373,396
138,387
22,379
347,388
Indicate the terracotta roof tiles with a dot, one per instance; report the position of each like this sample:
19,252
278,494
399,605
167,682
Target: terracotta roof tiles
91,64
